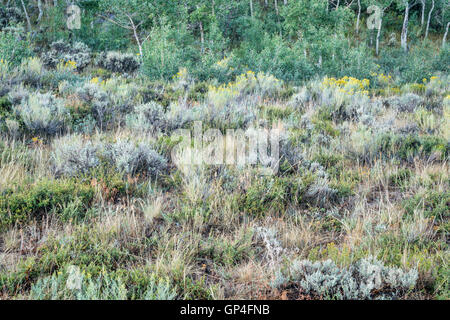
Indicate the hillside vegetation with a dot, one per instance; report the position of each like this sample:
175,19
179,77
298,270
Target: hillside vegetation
96,202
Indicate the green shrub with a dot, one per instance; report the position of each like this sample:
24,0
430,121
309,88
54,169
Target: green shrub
198,91
434,203
406,147
14,47
32,202
5,107
269,194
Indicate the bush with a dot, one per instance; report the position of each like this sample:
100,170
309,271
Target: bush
18,94
366,279
72,156
43,114
149,117
134,159
405,103
162,57
32,202
434,204
73,284
14,47
125,63
268,195
102,110
78,53
9,17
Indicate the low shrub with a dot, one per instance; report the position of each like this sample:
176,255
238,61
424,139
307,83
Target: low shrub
100,104
77,54
435,204
32,202
74,284
72,156
125,63
43,114
9,16
405,103
366,279
134,159
149,117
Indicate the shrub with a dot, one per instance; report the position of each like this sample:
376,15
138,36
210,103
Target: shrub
72,156
134,159
198,92
248,86
102,110
162,58
30,72
148,117
434,204
366,279
32,202
267,195
5,106
73,284
18,94
125,63
9,16
77,53
405,103
43,114
14,47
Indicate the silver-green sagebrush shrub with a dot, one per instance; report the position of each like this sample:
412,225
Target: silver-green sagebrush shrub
125,63
73,284
149,117
405,103
132,159
59,51
102,110
73,156
366,279
17,94
43,114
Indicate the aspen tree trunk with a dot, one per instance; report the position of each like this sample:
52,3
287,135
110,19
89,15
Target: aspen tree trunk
429,19
39,5
377,47
26,15
444,39
422,19
359,16
251,8
202,36
136,36
404,36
